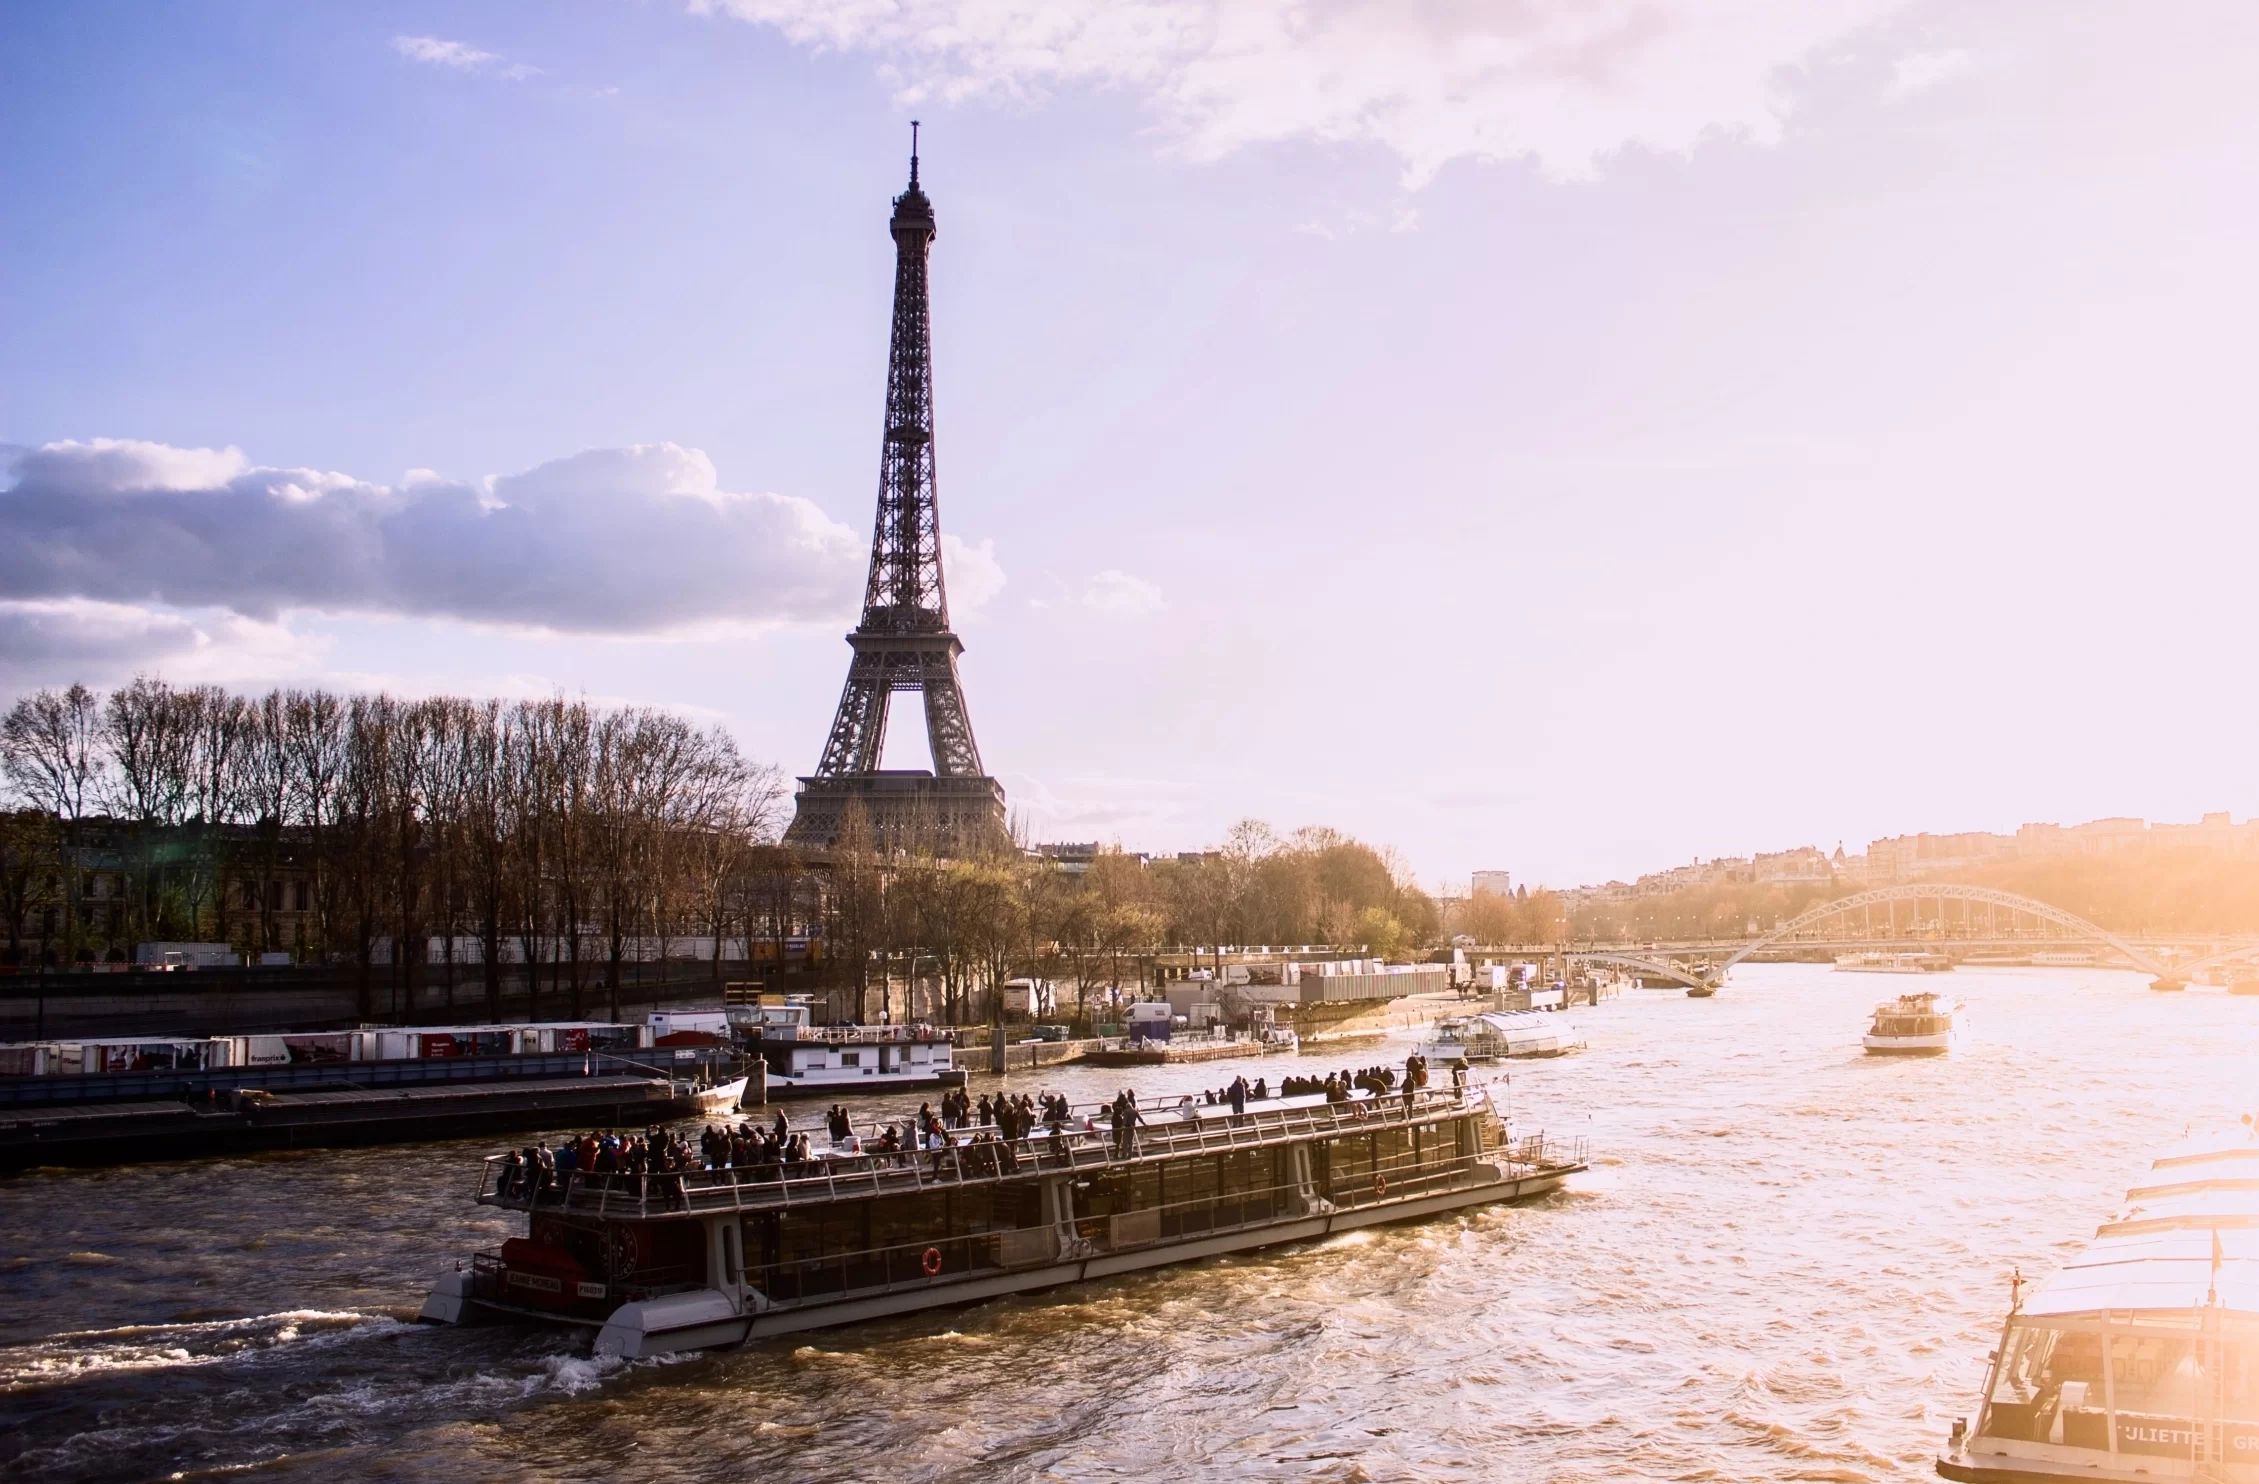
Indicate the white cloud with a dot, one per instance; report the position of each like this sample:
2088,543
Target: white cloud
1561,82
45,642
610,541
1122,594
1926,70
973,575
460,55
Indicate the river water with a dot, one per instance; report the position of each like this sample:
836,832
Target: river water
1787,1263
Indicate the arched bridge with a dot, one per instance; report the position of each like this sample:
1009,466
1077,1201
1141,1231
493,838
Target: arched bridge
1703,968
1661,968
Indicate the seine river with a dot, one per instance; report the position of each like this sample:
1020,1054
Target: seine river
1787,1263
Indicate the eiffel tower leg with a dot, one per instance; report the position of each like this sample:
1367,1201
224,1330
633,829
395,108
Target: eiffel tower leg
858,730
949,731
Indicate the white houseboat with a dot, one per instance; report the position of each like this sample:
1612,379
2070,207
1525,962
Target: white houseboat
1924,1024
803,1058
2139,1359
1892,963
711,1257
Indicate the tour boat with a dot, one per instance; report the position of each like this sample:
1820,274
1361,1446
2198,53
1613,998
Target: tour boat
721,1098
697,1259
830,1060
1501,1034
1913,1025
1892,963
2139,1359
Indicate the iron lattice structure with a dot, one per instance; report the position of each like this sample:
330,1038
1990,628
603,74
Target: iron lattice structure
904,642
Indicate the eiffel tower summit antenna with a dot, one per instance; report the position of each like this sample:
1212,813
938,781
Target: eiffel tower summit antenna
904,641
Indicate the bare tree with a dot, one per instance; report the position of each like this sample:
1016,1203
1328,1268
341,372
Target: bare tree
482,747
50,748
219,725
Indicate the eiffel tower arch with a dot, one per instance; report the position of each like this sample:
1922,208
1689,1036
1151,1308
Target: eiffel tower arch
904,642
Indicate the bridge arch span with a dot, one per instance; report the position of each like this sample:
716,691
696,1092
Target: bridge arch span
1946,892
1640,965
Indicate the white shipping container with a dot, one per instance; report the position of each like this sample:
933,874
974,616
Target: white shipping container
29,1059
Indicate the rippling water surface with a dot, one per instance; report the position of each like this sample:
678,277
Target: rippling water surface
1787,1263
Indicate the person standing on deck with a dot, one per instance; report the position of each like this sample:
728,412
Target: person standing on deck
1238,1097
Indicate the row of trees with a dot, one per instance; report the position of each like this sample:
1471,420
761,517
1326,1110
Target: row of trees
1524,916
962,926
549,831
555,838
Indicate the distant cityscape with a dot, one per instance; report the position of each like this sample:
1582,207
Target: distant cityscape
1898,858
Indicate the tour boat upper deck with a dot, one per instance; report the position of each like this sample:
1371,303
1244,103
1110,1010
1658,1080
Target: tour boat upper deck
2139,1359
703,1257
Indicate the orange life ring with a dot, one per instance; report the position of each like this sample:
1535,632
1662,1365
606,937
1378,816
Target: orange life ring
1380,1185
931,1262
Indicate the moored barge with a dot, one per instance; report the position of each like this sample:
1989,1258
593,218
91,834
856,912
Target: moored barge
713,1257
803,1059
2139,1359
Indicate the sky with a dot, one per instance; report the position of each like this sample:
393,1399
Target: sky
1561,436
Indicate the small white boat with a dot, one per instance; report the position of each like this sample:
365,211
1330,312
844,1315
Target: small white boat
1913,1025
722,1097
1501,1034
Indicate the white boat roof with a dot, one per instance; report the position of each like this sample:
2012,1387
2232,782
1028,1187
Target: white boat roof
2198,1200
1522,1020
2211,1144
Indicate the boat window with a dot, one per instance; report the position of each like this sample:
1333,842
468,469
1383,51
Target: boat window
2169,1376
898,1220
819,1231
1351,1159
2049,1389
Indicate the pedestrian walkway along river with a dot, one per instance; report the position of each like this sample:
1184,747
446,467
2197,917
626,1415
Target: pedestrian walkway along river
1787,1263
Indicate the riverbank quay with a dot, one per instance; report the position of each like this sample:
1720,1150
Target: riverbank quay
96,1000
132,1117
132,1132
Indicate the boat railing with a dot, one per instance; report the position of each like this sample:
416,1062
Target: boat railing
925,1262
1082,1145
850,1035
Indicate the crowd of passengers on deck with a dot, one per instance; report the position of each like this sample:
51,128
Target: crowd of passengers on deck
998,1131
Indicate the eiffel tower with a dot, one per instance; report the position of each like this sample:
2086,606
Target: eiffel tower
904,642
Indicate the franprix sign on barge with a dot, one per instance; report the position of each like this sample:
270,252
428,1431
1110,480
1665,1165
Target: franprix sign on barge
695,1259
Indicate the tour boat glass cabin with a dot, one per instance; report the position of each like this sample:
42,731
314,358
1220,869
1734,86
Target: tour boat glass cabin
664,1262
849,1058
1501,1034
1913,1024
2140,1358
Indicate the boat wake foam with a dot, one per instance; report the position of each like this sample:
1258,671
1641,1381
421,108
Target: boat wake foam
145,1347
